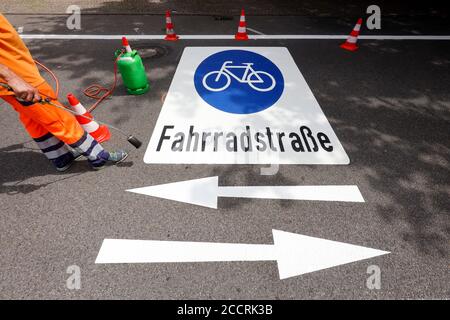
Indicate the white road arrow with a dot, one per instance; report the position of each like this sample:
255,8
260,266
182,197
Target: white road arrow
295,254
204,192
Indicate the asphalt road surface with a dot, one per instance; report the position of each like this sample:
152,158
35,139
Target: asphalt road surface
388,103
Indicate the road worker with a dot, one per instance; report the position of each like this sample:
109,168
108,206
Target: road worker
56,132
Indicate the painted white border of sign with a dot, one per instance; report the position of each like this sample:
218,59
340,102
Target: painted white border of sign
183,108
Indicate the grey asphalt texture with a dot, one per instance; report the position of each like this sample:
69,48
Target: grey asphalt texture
321,8
388,103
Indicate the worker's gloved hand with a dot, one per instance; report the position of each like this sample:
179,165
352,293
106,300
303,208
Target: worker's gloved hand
23,90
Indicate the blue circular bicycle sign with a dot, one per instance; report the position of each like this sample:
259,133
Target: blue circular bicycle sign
239,81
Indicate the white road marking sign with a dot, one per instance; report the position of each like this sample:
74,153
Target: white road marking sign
205,191
295,254
248,105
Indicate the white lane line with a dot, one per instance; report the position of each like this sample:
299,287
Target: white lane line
227,37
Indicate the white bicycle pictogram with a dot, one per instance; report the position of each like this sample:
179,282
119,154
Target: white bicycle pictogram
251,77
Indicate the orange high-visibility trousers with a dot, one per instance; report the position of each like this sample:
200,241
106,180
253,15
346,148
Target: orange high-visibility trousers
52,128
40,119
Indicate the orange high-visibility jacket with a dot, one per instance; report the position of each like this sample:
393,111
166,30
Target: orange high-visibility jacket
16,56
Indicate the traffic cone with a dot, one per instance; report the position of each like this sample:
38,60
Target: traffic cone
350,43
126,45
98,132
242,30
170,33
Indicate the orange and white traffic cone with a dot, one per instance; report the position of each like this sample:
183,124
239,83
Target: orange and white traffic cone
86,120
242,29
170,33
350,43
126,45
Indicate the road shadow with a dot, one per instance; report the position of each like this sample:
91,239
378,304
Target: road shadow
394,120
388,103
21,164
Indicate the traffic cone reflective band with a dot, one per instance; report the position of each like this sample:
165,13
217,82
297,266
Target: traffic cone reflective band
170,34
98,132
350,43
242,30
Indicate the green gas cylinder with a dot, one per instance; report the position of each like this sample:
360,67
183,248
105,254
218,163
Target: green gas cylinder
133,72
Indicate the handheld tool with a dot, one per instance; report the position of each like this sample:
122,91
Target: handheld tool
47,101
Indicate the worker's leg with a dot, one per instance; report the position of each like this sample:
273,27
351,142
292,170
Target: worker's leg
60,124
91,149
53,148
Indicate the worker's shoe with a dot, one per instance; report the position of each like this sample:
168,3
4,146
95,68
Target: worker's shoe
74,155
114,157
